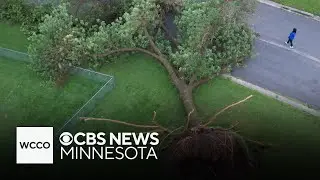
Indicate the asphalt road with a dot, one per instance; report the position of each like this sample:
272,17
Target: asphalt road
276,24
281,70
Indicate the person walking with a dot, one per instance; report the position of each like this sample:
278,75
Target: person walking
291,37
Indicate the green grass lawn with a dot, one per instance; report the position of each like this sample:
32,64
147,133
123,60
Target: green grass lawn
12,38
312,6
26,100
294,135
142,86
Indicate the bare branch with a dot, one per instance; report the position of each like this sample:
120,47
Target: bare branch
232,151
258,143
160,128
154,122
228,129
154,116
118,122
187,125
154,130
226,108
169,135
233,126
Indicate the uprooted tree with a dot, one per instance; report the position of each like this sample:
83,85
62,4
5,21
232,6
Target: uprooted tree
211,38
208,38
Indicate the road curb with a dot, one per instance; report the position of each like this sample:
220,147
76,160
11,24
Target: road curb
273,95
290,9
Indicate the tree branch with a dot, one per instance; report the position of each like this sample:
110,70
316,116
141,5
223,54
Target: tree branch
124,123
155,122
200,82
162,60
188,121
116,121
196,84
204,39
233,126
154,116
192,79
157,50
163,140
153,45
182,87
258,143
193,83
226,108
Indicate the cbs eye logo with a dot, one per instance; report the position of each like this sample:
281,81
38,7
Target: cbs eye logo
66,138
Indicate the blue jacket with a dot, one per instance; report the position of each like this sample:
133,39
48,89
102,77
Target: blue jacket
292,35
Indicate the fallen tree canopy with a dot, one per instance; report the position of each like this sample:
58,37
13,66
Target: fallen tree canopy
211,38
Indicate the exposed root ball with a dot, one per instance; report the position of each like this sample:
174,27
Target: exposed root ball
209,153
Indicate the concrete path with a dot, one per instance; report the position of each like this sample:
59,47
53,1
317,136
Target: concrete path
294,73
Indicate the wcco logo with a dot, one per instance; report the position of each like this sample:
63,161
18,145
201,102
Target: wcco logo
34,145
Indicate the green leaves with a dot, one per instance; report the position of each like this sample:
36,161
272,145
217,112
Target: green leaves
128,30
13,10
212,36
26,14
57,45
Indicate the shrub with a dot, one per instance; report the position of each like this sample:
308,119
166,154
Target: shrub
26,14
58,45
35,17
105,10
14,10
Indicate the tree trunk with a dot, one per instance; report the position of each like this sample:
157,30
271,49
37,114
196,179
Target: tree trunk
185,92
184,89
189,106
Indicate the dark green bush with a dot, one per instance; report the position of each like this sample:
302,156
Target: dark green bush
27,14
105,10
35,17
13,10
